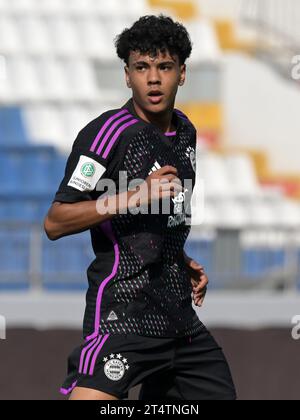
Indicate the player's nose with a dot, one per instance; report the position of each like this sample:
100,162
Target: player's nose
153,76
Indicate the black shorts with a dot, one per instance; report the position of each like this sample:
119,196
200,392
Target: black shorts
184,368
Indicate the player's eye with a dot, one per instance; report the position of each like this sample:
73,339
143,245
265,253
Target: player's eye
140,68
166,67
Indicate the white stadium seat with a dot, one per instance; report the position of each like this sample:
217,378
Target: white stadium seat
247,184
213,172
82,79
79,6
6,82
231,214
10,41
21,6
261,213
64,36
74,118
35,35
110,9
205,42
92,34
25,77
52,6
287,212
55,83
46,126
5,6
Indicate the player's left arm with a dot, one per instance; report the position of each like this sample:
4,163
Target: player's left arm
196,271
199,279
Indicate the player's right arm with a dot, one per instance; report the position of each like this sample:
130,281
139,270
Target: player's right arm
69,218
74,210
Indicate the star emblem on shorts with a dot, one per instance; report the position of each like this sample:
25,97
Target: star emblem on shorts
112,356
119,356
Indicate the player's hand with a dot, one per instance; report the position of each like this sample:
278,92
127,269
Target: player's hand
163,183
199,280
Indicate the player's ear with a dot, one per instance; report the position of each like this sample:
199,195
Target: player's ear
127,77
182,75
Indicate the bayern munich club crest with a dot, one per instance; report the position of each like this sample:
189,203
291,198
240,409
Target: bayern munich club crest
115,367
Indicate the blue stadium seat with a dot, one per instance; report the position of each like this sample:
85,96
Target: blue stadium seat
258,261
202,251
14,258
64,262
12,129
28,169
58,171
24,208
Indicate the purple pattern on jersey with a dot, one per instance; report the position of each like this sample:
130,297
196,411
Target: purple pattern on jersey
97,351
117,135
105,126
83,352
181,114
108,231
171,134
69,390
111,131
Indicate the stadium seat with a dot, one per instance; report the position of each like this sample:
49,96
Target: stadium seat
44,124
14,258
22,6
25,78
29,169
51,6
64,35
78,70
75,118
111,9
36,37
64,263
4,6
6,96
10,41
24,208
246,185
93,38
205,42
12,127
211,169
79,6
55,84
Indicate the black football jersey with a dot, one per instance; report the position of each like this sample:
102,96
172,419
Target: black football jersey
138,283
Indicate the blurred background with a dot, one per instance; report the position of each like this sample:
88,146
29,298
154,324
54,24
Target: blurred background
58,71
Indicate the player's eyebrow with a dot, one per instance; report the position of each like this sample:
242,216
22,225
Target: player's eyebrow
162,63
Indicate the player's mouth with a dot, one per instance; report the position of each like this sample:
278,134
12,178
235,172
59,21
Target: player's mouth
155,96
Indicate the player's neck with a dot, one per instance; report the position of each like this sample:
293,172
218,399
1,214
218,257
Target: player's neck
162,121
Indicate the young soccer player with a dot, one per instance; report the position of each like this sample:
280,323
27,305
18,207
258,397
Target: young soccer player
139,323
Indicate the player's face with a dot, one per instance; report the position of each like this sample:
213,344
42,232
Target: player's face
154,80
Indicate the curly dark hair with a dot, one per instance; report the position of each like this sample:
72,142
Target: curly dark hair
153,34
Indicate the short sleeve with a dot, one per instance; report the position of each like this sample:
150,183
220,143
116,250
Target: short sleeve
96,154
91,159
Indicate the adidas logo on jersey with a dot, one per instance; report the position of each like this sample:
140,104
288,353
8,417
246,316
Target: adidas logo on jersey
112,316
155,168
